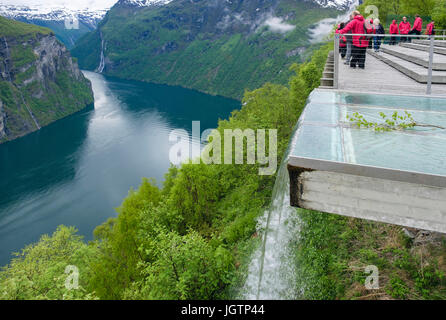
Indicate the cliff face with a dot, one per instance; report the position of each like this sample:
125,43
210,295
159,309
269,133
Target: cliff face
39,81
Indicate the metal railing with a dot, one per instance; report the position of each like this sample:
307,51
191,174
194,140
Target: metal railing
384,38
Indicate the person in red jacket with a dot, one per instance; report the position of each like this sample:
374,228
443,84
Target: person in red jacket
417,26
393,30
404,28
360,43
342,41
430,30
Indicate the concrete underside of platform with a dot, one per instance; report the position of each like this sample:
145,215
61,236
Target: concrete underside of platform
401,203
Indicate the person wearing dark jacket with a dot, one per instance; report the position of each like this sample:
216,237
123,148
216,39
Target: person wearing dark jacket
360,43
379,31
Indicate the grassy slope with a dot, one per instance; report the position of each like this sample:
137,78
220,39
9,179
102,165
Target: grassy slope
10,28
165,45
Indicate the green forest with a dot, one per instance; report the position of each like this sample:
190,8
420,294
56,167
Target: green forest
186,44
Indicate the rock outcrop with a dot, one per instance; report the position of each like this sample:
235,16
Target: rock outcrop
39,81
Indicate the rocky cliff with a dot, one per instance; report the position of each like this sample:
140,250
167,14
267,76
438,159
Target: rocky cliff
39,81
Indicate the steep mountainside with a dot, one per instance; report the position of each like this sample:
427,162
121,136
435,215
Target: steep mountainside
68,24
39,81
216,46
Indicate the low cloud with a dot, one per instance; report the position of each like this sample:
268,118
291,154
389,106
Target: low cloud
276,24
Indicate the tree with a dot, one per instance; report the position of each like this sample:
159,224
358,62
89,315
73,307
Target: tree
40,270
186,267
439,14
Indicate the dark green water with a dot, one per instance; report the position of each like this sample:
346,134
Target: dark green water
77,170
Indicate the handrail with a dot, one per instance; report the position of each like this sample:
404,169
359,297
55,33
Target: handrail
431,39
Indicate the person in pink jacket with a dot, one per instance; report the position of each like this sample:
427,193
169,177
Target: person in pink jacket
417,26
360,43
393,30
430,29
404,28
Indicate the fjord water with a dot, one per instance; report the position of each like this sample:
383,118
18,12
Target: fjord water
78,169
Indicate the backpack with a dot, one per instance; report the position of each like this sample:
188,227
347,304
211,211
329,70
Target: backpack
368,31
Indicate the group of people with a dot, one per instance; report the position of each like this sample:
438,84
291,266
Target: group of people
405,28
358,34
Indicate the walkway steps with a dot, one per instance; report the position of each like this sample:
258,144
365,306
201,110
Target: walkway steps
437,43
416,56
422,47
412,70
327,80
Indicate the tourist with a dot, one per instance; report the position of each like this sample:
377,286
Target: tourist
342,41
417,27
348,55
404,29
430,30
379,31
393,30
360,42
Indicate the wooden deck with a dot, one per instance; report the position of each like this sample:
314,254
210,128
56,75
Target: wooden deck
379,77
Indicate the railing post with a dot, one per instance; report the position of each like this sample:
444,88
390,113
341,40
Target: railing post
431,65
336,62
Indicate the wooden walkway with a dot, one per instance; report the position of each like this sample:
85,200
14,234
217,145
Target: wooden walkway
379,77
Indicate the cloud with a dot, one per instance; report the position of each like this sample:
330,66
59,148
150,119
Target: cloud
276,24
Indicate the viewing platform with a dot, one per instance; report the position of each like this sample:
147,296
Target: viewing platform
395,176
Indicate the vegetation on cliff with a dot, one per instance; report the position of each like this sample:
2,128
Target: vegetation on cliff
39,81
187,240
218,47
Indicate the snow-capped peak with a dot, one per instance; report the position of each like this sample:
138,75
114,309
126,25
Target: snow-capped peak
337,4
51,13
144,3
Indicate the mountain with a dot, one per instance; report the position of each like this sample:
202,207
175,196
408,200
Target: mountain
39,81
68,24
216,46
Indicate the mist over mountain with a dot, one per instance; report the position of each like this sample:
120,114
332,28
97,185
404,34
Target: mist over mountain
216,46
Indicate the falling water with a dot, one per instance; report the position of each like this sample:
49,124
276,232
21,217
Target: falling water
101,66
272,271
5,61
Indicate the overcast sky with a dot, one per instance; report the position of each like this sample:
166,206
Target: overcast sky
81,4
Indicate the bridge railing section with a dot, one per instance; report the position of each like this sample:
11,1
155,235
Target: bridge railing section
432,46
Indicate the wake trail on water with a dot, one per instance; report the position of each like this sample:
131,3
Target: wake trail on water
272,270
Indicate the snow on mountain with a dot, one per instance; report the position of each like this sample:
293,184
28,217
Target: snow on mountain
337,4
44,12
143,3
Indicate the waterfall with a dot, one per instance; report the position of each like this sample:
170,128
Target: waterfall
272,270
101,66
6,60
